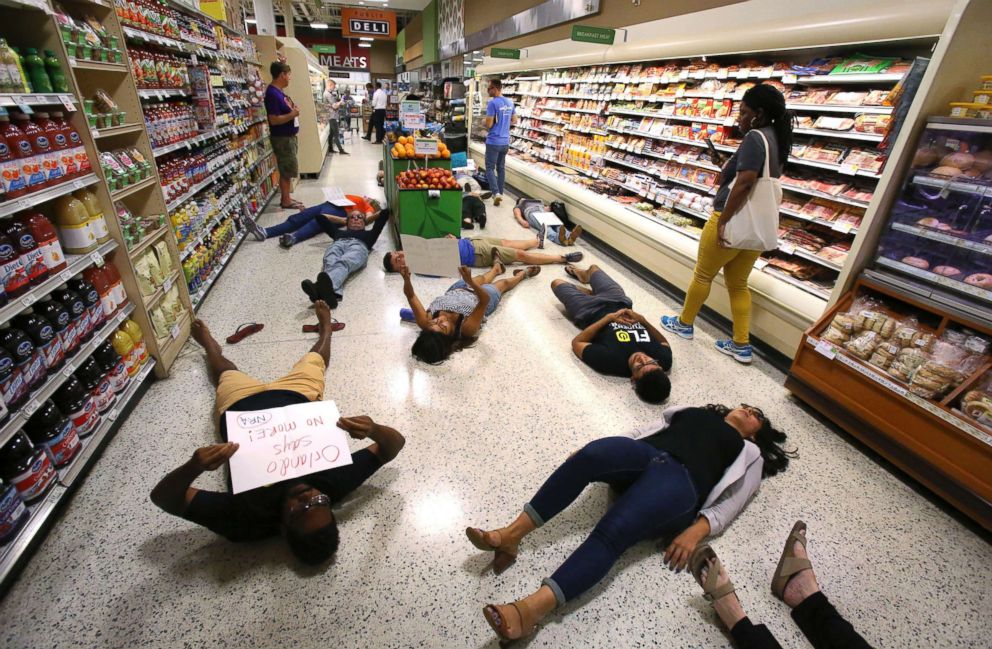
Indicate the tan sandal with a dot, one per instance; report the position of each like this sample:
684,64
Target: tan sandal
530,270
497,620
505,555
698,560
789,564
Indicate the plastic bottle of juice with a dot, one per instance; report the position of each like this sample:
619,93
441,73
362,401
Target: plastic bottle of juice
13,389
20,145
52,161
26,357
12,184
27,248
97,221
48,241
73,222
55,74
12,64
114,366
61,322
75,145
73,399
98,278
116,284
35,67
124,346
45,340
91,298
67,150
133,330
12,273
78,315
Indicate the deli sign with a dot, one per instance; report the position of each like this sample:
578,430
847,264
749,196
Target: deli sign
377,23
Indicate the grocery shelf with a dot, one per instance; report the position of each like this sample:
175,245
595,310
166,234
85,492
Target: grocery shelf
201,293
37,198
798,283
831,79
131,189
193,243
160,292
164,41
163,93
839,168
585,129
573,110
40,5
943,237
54,381
630,165
812,192
836,108
828,224
790,249
953,185
116,130
538,117
685,160
100,66
846,135
149,240
947,282
530,139
225,169
38,99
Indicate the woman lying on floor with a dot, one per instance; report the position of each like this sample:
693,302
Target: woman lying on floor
687,475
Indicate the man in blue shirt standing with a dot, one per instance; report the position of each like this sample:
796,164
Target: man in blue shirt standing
284,124
499,117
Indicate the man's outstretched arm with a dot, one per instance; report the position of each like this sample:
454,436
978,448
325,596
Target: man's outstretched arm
174,492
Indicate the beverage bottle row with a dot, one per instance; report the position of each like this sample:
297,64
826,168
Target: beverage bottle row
38,153
157,70
152,17
31,72
180,172
170,122
81,223
199,266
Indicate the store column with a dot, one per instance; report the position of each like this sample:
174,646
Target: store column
265,17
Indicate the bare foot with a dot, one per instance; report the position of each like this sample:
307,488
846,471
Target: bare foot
727,607
201,333
323,313
802,584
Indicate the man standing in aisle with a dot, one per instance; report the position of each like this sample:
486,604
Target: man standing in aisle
284,124
334,103
499,116
378,121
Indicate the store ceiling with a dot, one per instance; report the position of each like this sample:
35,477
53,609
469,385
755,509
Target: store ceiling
315,11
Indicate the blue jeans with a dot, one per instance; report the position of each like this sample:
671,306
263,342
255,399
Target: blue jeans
658,499
552,229
304,224
494,295
343,258
496,167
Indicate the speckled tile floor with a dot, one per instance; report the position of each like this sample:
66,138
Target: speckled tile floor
483,431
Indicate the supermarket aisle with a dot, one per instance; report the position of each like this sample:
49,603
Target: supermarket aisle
483,431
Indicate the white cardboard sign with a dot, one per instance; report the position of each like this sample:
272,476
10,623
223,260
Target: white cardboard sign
413,121
425,146
438,257
284,443
335,196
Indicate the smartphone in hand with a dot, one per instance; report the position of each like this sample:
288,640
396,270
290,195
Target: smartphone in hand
714,154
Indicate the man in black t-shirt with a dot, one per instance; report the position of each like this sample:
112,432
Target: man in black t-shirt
615,340
299,509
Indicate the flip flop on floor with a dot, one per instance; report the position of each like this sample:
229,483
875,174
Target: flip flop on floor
243,332
700,559
530,270
570,271
312,328
789,564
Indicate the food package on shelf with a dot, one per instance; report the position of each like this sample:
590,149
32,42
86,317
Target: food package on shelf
874,321
840,330
906,362
873,123
884,354
950,363
833,123
977,402
863,345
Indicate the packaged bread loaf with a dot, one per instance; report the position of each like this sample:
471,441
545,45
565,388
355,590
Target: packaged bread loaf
977,404
933,380
906,362
864,344
840,329
884,354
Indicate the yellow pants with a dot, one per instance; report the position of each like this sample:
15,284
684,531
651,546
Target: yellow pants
736,265
306,378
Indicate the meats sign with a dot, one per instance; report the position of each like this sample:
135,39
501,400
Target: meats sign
344,61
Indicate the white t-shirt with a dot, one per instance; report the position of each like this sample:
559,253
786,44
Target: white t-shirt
379,99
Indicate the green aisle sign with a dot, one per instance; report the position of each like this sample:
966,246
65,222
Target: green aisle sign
600,35
324,49
504,53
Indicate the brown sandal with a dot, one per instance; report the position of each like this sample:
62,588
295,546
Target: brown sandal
243,332
530,270
789,564
505,555
498,621
312,328
700,559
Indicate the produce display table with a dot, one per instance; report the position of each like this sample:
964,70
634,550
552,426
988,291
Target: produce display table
414,211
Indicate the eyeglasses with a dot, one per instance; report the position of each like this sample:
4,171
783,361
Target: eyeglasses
320,500
756,412
647,363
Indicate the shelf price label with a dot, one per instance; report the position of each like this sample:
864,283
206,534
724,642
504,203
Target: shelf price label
97,258
824,348
67,102
23,105
174,333
28,299
790,79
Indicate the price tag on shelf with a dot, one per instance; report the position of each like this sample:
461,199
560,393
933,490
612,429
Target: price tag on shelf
97,258
23,105
68,370
29,299
682,159
67,102
743,73
718,95
721,73
765,73
730,121
680,93
790,79
824,348
174,333
698,74
760,263
850,170
167,285
787,248
31,406
683,74
843,227
112,415
193,59
66,275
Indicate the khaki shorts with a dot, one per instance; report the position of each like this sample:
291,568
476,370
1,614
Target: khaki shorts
306,378
484,251
285,148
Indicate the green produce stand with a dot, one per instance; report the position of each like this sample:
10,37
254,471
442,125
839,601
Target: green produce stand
414,212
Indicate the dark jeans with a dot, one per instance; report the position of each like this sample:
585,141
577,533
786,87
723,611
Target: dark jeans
305,224
335,137
378,122
658,499
607,297
817,619
496,167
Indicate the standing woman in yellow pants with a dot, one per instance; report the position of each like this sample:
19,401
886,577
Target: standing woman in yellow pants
762,109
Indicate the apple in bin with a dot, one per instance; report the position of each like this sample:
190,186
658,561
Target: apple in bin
426,179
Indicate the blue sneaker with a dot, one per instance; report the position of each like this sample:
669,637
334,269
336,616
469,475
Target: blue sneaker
741,353
673,324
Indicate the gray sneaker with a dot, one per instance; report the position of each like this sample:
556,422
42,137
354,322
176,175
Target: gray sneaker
287,241
573,257
254,229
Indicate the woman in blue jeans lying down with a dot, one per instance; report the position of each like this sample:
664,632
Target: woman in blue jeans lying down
683,477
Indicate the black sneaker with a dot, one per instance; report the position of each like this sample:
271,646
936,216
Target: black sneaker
344,153
254,229
573,257
325,290
287,241
310,289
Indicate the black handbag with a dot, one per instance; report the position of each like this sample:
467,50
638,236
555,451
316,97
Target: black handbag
559,210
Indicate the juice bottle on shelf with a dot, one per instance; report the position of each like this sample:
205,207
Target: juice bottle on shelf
27,248
73,222
92,300
13,513
11,62
11,183
26,357
78,314
97,384
124,345
113,366
55,74
21,147
97,221
64,145
12,272
98,278
116,284
52,431
47,239
13,389
27,468
133,330
58,316
42,334
80,157
7,82
35,68
51,160
74,400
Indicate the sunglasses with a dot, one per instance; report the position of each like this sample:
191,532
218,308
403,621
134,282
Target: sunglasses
320,500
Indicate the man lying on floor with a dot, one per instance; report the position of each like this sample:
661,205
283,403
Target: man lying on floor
313,220
298,509
346,256
526,211
614,339
481,252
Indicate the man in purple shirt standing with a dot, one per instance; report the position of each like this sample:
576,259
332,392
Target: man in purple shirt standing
284,123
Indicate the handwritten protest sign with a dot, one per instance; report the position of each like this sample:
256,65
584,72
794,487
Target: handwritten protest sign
335,196
284,443
437,257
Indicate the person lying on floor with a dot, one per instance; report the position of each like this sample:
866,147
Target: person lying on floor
614,339
298,509
793,582
681,478
481,252
454,320
525,212
346,256
473,211
313,220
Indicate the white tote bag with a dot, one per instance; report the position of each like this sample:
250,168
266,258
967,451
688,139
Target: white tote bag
755,225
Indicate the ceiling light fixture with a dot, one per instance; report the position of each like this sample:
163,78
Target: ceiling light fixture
319,25
365,45
365,38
